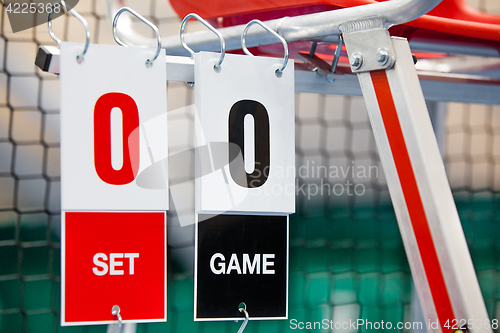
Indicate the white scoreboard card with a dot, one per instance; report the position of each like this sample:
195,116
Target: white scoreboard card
245,135
114,145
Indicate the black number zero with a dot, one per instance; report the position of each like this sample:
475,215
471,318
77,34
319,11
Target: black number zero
237,115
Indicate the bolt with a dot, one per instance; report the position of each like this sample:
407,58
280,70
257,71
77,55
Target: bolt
382,56
356,60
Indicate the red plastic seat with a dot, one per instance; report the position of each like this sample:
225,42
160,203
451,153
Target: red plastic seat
451,20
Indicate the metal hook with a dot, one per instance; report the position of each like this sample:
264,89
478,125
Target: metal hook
279,71
149,62
80,18
217,67
115,311
245,322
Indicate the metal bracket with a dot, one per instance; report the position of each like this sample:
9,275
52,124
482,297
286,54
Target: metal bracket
368,45
316,64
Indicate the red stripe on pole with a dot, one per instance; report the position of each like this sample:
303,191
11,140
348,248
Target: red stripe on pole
413,199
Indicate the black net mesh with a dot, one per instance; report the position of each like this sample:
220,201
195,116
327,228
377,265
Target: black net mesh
347,260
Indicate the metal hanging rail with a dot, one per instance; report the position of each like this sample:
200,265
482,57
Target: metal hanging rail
324,26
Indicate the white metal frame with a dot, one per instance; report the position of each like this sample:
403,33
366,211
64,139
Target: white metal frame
428,220
436,86
422,198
